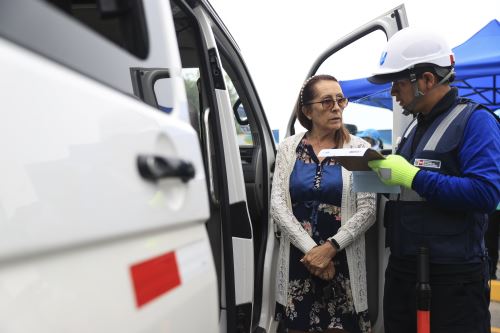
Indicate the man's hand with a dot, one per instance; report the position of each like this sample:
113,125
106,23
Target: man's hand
319,257
394,170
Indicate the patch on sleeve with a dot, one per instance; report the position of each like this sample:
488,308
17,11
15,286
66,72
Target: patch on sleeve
422,162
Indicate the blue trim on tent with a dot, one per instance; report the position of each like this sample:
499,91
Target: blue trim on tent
477,73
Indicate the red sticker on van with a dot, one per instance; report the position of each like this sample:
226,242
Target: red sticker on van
154,277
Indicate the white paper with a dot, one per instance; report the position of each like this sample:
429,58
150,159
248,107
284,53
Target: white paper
368,181
342,152
353,159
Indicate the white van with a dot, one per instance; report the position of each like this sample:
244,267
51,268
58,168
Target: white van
136,165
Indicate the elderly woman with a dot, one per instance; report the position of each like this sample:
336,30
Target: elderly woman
321,275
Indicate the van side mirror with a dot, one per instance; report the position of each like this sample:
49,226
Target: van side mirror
239,113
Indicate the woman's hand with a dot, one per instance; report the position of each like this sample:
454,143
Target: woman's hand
319,257
328,273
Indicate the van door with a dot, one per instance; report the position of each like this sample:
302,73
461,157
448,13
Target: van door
211,114
257,153
361,47
103,199
238,148
238,253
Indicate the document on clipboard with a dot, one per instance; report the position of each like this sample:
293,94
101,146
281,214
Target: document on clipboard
353,159
356,160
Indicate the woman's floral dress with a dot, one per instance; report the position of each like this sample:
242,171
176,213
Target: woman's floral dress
315,304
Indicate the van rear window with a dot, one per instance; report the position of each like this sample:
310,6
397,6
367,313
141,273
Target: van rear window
122,22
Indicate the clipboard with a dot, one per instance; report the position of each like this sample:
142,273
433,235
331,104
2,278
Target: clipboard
356,160
353,159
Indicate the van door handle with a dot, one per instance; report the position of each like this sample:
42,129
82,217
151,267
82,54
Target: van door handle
153,168
206,122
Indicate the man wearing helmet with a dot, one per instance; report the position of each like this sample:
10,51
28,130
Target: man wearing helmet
448,166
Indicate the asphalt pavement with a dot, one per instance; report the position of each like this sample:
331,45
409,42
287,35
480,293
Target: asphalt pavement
495,311
495,317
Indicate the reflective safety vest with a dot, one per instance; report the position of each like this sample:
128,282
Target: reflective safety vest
452,236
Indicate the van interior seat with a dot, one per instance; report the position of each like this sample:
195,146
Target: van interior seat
194,118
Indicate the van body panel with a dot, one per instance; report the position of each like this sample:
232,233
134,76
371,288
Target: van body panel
72,146
52,33
88,243
90,289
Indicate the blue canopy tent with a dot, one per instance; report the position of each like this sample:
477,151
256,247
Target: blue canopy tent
477,73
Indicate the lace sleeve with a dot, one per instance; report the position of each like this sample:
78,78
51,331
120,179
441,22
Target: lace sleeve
359,222
281,206
363,212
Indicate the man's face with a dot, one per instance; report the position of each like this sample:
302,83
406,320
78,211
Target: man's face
404,92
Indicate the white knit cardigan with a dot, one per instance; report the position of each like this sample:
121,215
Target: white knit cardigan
357,215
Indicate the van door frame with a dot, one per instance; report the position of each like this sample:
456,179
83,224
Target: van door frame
389,23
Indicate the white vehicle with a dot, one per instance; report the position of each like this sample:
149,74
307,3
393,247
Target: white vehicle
136,165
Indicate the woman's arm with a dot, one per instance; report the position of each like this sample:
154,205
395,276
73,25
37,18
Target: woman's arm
364,216
281,210
359,222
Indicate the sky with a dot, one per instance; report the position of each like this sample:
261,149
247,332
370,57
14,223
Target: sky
280,40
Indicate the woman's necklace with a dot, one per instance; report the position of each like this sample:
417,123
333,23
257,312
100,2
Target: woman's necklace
318,145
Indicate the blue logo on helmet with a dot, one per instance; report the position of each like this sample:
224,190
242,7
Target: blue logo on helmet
382,58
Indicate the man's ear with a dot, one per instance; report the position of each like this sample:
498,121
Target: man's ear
430,79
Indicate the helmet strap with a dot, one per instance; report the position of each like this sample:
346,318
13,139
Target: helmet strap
448,76
416,93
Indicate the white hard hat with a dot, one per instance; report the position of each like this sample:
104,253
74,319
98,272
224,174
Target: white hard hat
409,48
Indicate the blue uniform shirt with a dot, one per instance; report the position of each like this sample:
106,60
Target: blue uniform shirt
479,158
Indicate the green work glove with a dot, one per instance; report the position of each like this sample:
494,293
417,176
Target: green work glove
394,170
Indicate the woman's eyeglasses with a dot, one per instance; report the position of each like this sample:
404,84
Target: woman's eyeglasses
329,103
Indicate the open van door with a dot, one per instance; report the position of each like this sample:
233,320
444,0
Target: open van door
363,45
238,153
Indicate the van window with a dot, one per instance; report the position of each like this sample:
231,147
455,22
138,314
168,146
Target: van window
242,125
121,22
191,78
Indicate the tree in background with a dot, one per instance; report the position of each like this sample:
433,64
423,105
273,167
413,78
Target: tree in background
191,77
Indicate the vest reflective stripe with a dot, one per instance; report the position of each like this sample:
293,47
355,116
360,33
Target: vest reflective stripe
410,128
443,126
452,236
407,194
407,132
